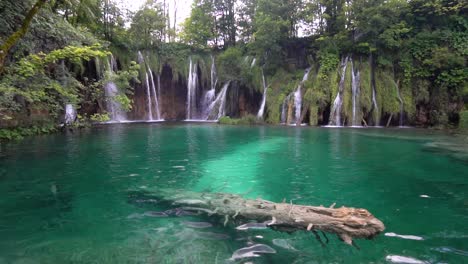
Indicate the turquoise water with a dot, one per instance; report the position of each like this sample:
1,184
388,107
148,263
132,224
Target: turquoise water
80,198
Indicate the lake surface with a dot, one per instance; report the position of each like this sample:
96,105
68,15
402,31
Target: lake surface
80,197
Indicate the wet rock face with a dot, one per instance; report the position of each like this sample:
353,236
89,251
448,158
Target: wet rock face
240,100
173,95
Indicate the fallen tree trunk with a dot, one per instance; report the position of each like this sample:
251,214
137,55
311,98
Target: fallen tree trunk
346,222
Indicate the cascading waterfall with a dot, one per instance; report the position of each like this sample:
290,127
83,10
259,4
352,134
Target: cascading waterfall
284,109
113,63
210,95
208,99
298,96
70,114
262,106
158,77
148,97
117,114
217,108
155,96
152,95
113,107
335,114
355,85
192,91
253,62
376,107
401,104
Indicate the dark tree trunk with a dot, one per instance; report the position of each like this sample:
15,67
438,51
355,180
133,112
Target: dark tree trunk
11,41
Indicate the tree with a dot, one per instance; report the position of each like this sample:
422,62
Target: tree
199,28
149,24
15,37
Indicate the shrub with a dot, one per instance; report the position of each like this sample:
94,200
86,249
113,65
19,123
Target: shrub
246,120
463,120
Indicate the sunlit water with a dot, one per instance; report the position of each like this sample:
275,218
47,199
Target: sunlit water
75,198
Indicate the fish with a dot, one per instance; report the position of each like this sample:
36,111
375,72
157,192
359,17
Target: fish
190,202
424,196
155,214
252,251
257,226
451,250
404,260
135,216
410,237
198,224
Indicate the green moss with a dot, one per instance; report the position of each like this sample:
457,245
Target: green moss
246,120
347,108
313,119
366,87
281,84
386,92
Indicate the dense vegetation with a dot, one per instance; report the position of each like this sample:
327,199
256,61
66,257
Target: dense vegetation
418,46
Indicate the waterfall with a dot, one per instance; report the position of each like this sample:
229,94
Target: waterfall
208,99
158,77
210,95
401,104
148,98
217,108
262,106
155,96
70,114
113,106
113,64
214,75
355,85
97,62
284,109
374,103
152,95
298,96
335,114
253,62
192,91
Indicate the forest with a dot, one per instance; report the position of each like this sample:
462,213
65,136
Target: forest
315,62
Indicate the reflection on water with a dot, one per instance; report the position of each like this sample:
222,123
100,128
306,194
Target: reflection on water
69,199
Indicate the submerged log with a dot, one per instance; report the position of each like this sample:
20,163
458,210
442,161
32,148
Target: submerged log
346,222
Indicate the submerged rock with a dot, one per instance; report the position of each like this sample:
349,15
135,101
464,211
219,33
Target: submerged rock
252,251
404,260
198,224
